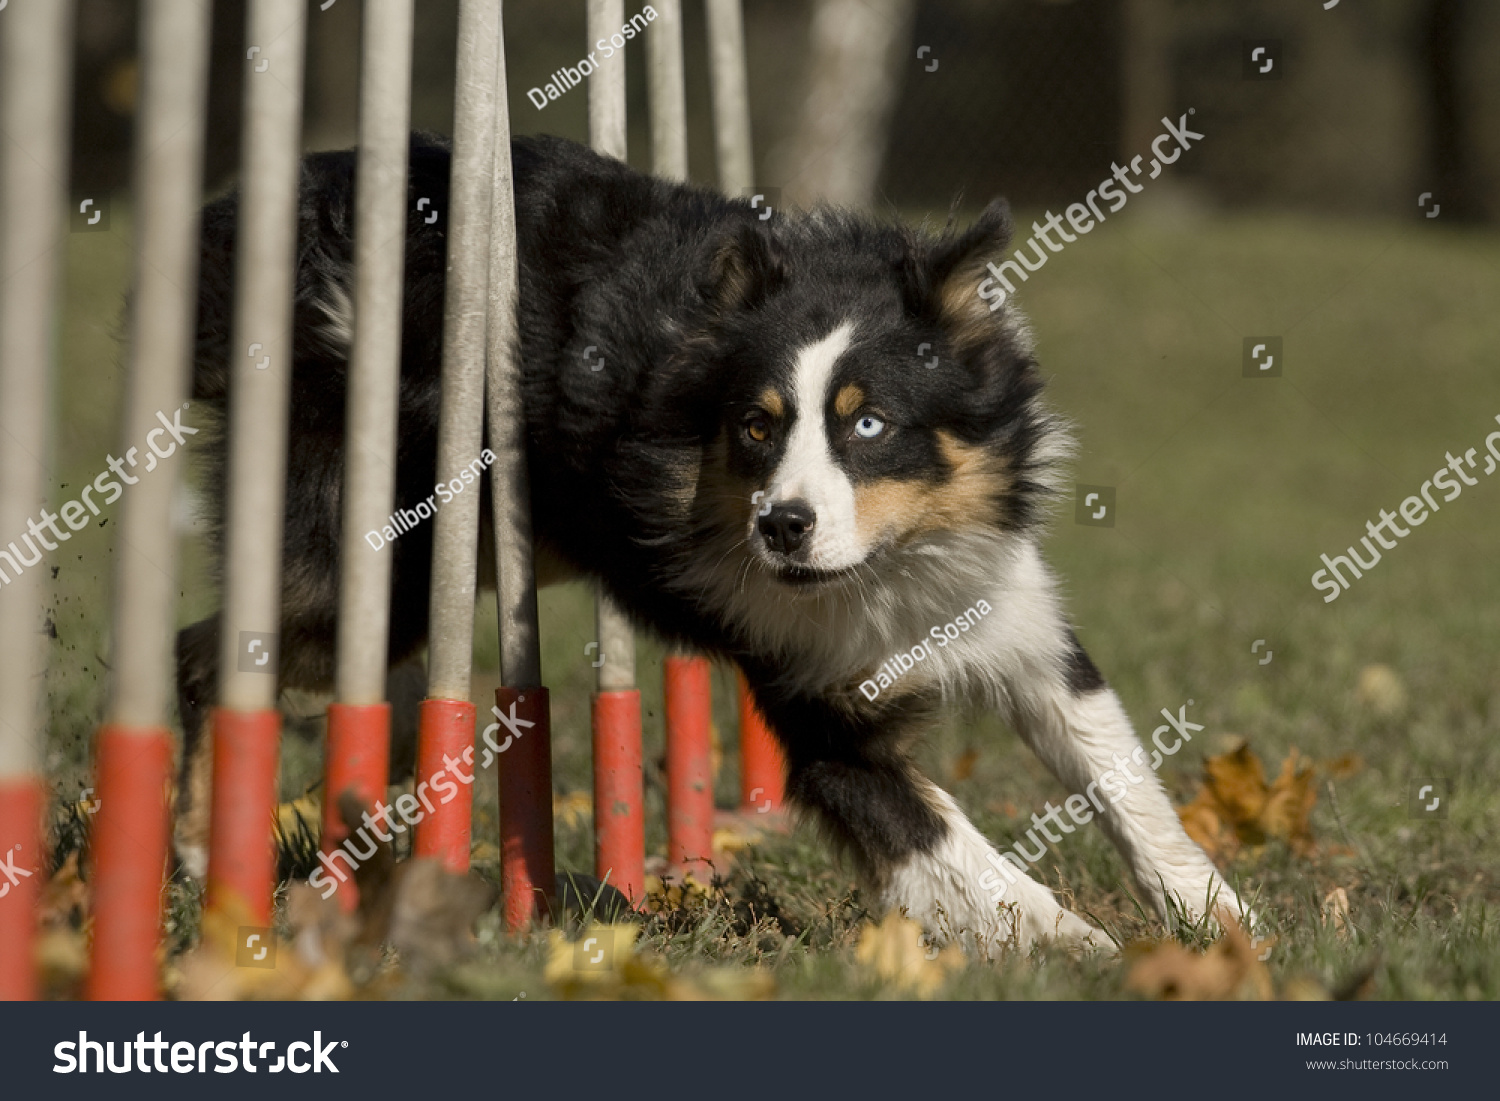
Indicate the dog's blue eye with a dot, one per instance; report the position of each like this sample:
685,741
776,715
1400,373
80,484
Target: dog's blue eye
869,426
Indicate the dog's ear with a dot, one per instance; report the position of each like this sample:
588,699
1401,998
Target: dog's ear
746,267
942,277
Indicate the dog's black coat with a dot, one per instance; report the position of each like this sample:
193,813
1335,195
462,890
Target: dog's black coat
687,296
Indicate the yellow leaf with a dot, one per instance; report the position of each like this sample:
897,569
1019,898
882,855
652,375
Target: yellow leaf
574,808
304,813
1229,970
1235,806
898,950
1335,912
963,767
1381,690
733,840
596,958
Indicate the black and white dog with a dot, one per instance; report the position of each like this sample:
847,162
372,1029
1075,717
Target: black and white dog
772,468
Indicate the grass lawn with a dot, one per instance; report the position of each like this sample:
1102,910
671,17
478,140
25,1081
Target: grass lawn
1228,491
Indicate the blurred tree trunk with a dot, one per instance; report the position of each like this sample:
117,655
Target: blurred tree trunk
858,52
1145,72
1446,24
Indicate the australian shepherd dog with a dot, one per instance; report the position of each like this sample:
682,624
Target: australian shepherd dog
813,446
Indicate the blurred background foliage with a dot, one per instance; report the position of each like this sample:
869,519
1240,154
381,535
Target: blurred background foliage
1378,99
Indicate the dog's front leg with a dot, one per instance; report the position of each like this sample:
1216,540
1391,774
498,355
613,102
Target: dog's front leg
1075,723
914,848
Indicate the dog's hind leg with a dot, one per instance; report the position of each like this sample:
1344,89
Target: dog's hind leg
306,644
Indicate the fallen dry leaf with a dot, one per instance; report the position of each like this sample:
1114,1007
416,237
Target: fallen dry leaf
1235,806
574,808
65,898
1381,690
675,894
963,767
1289,803
1336,912
736,838
899,952
1227,971
1342,767
417,907
299,816
602,963
223,966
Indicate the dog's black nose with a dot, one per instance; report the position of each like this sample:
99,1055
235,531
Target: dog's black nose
786,525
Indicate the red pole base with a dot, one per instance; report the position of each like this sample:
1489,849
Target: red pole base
690,782
241,846
762,766
21,801
356,760
619,793
523,745
445,763
134,770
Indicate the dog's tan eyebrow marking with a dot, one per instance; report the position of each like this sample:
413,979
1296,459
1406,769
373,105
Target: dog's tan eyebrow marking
850,398
770,401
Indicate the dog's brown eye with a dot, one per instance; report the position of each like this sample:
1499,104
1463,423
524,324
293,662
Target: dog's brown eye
758,429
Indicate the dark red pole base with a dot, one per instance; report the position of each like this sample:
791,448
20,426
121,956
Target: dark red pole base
21,801
130,835
523,745
762,766
356,760
690,782
445,782
242,845
619,793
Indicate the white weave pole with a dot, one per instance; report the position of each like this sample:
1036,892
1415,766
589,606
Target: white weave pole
527,867
133,760
667,93
265,276
168,191
445,730
607,136
35,67
731,96
375,362
242,739
34,109
455,535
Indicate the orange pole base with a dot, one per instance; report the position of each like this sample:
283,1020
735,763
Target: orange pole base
445,764
242,846
356,760
762,766
528,873
619,793
690,782
21,801
130,835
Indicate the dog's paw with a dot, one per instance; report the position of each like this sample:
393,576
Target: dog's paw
1205,897
1054,926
